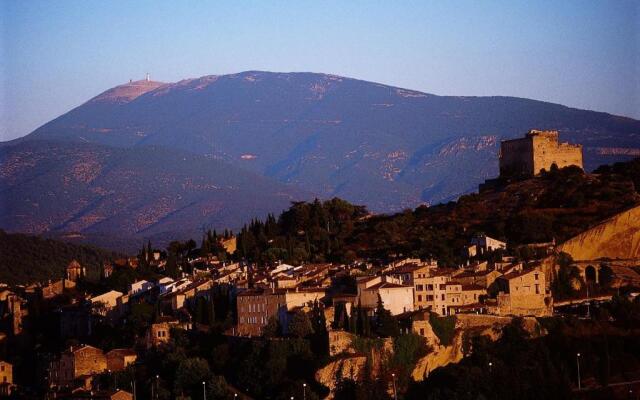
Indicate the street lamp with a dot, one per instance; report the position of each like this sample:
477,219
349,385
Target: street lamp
395,394
578,363
490,365
304,391
204,391
157,385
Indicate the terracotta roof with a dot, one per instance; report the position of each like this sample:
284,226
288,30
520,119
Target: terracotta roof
472,287
513,275
387,285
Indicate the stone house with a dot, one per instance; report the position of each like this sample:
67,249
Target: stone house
523,293
431,292
256,306
6,378
77,362
396,297
119,359
160,331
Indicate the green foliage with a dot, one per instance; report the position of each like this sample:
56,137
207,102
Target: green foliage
300,325
190,374
386,324
407,350
443,327
566,277
28,259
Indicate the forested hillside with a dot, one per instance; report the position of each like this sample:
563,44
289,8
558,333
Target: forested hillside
27,259
556,205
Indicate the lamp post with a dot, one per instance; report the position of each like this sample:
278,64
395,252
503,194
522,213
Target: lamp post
490,365
304,391
157,385
204,391
578,363
395,394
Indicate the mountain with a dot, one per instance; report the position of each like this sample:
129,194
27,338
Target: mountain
57,186
373,144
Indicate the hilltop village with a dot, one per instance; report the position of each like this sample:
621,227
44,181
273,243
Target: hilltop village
257,315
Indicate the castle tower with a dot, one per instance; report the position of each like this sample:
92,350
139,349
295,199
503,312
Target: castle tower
538,150
147,77
74,271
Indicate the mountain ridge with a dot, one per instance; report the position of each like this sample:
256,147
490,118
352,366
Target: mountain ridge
378,145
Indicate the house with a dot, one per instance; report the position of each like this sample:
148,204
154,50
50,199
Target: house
396,297
523,293
482,278
256,306
6,378
75,271
431,292
481,244
77,362
408,273
178,297
119,359
160,331
140,287
416,322
108,299
117,394
105,303
13,310
458,294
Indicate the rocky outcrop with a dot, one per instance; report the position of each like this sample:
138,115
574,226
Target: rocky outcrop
616,238
346,367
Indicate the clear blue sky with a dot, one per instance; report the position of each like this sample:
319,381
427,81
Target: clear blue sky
54,55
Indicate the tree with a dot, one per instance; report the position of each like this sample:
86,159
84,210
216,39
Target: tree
300,325
605,276
190,374
272,329
386,324
171,267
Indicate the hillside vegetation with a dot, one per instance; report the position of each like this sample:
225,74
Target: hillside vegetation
27,259
556,205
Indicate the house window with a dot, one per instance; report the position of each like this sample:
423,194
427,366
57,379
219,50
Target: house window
419,288
443,286
442,295
429,297
421,331
430,287
536,276
419,297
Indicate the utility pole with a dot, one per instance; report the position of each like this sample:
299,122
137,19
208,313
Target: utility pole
395,394
578,363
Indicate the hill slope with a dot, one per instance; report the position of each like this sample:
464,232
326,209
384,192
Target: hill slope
50,187
386,147
27,259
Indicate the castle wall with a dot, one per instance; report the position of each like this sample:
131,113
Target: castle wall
516,157
547,151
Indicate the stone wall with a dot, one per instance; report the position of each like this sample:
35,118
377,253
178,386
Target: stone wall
547,151
616,238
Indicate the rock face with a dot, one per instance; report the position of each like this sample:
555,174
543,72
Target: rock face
616,238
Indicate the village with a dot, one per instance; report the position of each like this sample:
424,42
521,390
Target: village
244,300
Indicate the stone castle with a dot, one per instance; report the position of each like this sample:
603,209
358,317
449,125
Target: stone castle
538,150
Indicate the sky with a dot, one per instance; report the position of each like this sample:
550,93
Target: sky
55,55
